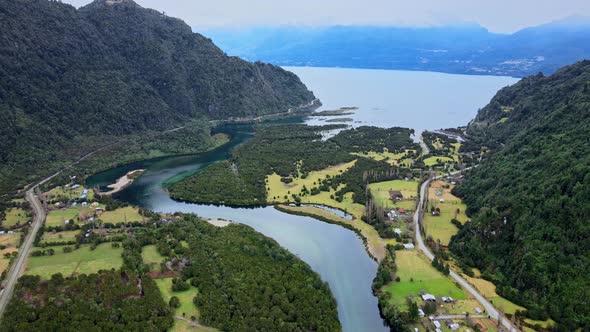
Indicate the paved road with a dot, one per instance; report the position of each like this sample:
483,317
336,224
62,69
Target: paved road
488,307
23,252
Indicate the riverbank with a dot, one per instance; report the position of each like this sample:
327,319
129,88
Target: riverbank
374,244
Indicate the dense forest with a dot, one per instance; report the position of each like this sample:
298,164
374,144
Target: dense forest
72,80
105,301
294,151
246,281
530,200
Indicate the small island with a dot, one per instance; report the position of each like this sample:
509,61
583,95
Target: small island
123,182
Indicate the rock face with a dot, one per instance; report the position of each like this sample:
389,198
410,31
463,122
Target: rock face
115,68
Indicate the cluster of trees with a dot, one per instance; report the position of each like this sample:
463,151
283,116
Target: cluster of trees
104,301
116,70
292,151
530,200
447,148
246,281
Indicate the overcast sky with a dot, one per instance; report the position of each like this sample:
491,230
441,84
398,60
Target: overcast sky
496,15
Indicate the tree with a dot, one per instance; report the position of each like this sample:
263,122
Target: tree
413,313
174,302
429,308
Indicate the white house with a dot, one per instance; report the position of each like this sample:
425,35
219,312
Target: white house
478,310
397,231
421,313
409,246
436,324
454,326
428,297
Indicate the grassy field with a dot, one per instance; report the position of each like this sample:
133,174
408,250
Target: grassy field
14,217
69,193
440,227
58,217
394,159
278,190
187,307
409,189
375,243
120,215
413,266
59,236
431,161
10,240
151,256
509,307
82,260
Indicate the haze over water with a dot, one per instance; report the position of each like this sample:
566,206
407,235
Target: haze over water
394,98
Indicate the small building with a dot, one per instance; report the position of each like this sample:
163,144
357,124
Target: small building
436,324
401,211
477,310
409,246
75,204
447,299
75,186
421,313
442,200
428,297
2,232
454,327
436,213
397,231
84,204
395,195
10,232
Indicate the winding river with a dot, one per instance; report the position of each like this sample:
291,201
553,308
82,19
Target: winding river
334,252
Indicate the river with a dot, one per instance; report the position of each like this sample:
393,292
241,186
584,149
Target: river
334,252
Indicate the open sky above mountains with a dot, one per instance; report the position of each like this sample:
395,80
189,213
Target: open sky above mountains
498,16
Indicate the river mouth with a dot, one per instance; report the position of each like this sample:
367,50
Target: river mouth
337,254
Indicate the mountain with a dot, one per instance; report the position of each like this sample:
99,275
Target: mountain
72,79
530,198
463,49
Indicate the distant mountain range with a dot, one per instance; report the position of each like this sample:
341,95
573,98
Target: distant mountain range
463,49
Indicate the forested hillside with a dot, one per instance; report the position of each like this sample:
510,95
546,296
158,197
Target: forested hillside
70,79
530,199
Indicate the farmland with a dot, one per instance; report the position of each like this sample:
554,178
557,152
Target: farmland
409,190
83,260
416,274
15,217
121,215
187,307
64,236
151,256
450,206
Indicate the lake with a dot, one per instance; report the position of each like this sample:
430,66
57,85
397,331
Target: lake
394,98
385,98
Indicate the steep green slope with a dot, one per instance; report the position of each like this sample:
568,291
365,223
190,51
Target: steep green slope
69,78
530,200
